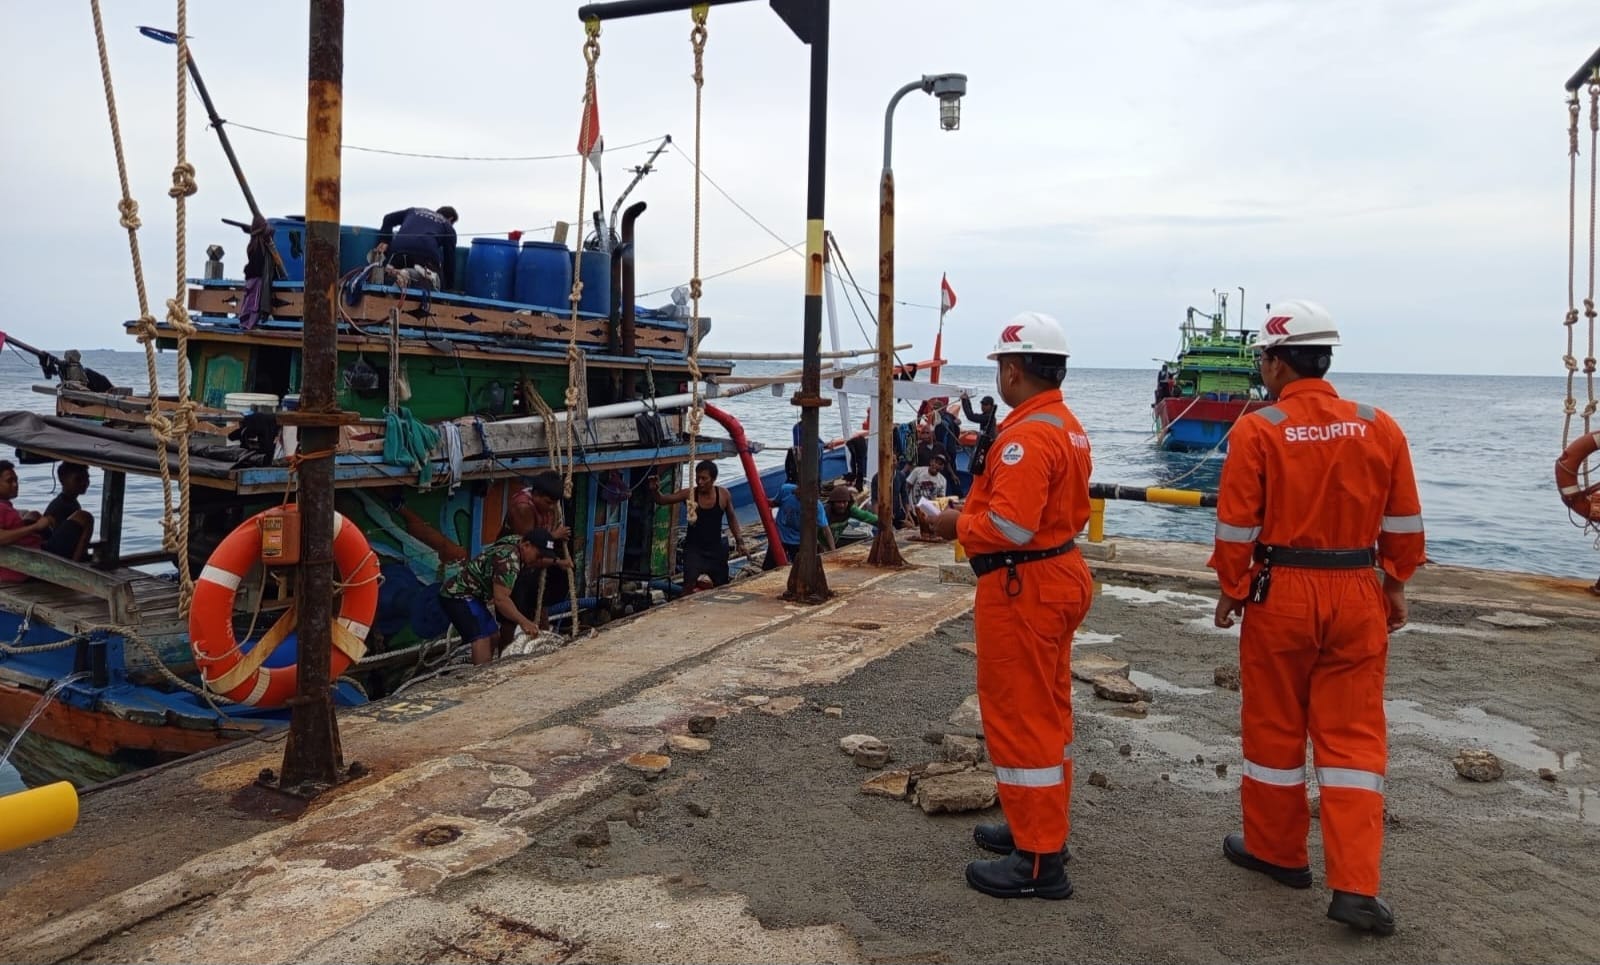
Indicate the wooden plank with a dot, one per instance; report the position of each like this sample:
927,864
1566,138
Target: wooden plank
518,438
371,473
58,571
444,314
415,346
111,409
440,314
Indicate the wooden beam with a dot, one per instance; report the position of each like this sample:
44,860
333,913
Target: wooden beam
412,345
59,571
477,317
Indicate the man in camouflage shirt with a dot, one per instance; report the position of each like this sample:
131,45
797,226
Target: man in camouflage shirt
475,590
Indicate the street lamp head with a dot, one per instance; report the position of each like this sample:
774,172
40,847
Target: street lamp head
949,88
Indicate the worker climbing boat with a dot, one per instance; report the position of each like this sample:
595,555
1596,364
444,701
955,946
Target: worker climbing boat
490,392
1211,382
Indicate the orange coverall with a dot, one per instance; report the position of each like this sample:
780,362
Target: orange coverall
1315,471
1032,495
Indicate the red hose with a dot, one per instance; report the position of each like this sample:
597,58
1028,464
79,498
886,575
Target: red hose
757,494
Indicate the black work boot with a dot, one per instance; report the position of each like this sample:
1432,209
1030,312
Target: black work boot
1233,849
997,838
1021,874
1361,912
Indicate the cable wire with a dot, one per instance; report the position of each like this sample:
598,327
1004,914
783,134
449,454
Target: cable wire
437,157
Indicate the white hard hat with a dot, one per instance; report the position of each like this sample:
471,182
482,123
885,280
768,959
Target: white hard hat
1033,333
1297,322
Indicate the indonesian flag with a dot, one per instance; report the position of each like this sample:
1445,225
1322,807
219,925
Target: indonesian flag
590,143
947,295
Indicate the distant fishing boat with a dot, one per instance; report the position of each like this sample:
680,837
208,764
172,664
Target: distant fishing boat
1211,383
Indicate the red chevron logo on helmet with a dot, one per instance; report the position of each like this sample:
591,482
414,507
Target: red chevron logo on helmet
1011,333
1278,325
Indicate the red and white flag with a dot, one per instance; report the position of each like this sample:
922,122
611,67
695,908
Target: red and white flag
590,143
947,295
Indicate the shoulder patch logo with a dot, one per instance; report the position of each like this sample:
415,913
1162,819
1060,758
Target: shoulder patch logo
1011,454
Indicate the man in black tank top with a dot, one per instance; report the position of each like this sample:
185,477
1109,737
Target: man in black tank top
705,554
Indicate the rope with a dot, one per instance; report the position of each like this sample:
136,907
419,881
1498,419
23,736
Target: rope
1570,321
183,185
553,449
147,330
697,40
1589,302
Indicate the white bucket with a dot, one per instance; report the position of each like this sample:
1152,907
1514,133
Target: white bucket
246,402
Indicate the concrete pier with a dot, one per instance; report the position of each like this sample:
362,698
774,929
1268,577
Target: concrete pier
672,788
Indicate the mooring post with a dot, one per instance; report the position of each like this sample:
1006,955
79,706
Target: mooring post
808,582
312,758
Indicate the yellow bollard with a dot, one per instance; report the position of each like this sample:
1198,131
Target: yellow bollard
28,817
1097,521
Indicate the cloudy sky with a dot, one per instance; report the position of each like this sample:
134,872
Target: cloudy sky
1401,161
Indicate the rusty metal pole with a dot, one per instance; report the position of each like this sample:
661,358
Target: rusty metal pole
885,549
807,581
312,758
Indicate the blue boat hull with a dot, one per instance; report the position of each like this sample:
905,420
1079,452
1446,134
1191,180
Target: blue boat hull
1196,435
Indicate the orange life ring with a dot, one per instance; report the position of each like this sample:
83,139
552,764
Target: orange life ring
241,675
1583,501
969,437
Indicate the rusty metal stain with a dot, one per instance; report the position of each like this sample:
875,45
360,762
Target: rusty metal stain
437,835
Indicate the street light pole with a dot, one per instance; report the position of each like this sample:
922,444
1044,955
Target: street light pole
949,88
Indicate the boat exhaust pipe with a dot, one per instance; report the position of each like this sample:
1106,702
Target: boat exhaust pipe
629,326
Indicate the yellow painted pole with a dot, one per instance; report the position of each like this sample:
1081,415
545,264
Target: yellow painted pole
28,817
1173,497
1097,520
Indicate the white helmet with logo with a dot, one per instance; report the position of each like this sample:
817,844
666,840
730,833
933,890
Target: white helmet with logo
1031,333
1297,322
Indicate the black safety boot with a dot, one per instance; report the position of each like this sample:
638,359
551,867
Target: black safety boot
1362,913
1021,874
1233,850
997,838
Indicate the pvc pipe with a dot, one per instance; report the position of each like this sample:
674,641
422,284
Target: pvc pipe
29,817
758,495
789,356
664,403
833,334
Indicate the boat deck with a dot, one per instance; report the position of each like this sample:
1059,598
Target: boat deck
65,599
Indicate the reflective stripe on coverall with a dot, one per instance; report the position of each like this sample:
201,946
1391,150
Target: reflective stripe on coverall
1032,495
1316,471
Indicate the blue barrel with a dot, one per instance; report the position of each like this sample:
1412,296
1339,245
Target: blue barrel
544,275
289,236
491,268
354,244
459,283
596,270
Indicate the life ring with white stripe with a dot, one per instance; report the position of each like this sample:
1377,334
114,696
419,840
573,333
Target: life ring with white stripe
1585,501
240,674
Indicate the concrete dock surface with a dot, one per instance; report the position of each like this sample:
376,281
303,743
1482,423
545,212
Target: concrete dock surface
673,789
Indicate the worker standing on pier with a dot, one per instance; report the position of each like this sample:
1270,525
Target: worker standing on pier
1029,499
1310,486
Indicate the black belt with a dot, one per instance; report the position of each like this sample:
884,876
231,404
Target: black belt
1316,559
983,563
